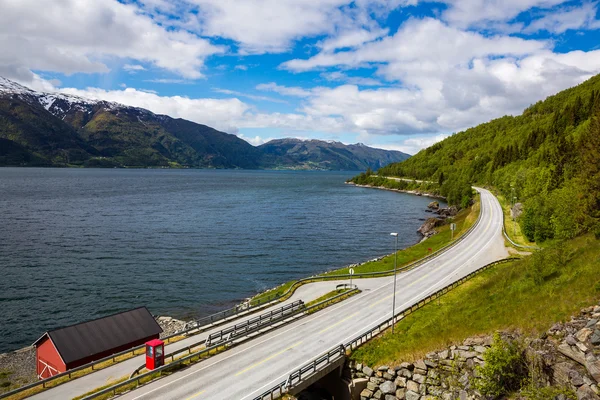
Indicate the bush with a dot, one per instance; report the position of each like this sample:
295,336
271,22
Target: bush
504,371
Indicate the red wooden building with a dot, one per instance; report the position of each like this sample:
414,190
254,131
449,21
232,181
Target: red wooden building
66,348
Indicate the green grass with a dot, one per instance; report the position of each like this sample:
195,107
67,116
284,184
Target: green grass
527,295
326,296
464,220
512,228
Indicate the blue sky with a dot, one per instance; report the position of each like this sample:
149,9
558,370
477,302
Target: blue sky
396,74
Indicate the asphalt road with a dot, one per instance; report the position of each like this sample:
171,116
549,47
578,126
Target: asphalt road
247,370
82,385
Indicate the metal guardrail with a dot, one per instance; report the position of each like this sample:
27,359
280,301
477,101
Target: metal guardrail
252,323
511,241
205,352
338,351
247,327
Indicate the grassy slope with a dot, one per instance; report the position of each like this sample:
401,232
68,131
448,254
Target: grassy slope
528,295
513,229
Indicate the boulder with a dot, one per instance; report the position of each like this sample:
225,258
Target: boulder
572,352
387,387
593,368
400,381
410,395
575,378
595,338
586,393
434,205
428,227
583,334
367,371
420,364
412,386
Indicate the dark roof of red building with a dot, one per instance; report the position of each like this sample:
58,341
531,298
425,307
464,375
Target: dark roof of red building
101,335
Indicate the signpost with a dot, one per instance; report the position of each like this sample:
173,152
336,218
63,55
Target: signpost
452,229
351,272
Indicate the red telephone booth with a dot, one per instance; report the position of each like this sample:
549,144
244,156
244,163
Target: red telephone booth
155,354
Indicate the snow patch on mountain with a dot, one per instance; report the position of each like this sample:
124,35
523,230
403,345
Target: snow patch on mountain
59,103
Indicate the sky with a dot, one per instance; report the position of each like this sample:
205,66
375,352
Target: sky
393,74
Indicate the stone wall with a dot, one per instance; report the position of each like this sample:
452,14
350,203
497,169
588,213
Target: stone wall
567,356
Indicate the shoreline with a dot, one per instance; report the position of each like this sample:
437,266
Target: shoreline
358,264
171,324
414,192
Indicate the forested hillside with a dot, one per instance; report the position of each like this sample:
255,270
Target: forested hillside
548,158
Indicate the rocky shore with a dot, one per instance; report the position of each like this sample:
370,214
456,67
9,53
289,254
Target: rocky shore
415,192
566,357
444,213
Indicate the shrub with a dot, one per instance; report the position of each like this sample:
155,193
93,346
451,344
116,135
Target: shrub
505,368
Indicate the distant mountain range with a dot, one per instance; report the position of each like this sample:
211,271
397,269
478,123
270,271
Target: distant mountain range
52,129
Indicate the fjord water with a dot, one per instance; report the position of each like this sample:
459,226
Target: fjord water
77,244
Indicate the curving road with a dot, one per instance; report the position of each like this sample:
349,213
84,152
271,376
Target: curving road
245,371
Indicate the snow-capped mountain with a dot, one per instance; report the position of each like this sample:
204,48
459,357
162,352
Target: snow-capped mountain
61,104
49,129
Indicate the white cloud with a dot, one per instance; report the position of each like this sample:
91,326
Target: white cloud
426,43
168,81
284,90
449,79
73,36
263,26
337,76
250,96
410,146
479,13
559,21
219,113
133,68
351,39
241,67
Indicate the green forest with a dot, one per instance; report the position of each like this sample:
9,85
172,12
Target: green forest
548,159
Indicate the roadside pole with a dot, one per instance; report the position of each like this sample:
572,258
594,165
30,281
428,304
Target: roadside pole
394,294
351,272
452,229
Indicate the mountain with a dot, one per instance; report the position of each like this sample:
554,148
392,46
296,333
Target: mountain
58,129
548,159
319,154
53,129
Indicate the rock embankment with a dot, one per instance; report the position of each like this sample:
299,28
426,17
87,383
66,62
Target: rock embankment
566,356
444,213
170,325
440,375
17,368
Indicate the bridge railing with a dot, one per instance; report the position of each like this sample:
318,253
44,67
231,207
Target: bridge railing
322,361
137,378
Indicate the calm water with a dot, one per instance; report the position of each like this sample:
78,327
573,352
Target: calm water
77,244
